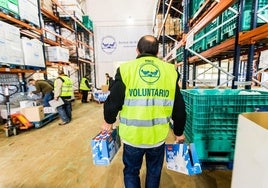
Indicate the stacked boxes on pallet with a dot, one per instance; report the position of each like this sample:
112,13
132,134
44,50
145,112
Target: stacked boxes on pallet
10,45
57,54
212,116
71,7
29,16
172,25
33,52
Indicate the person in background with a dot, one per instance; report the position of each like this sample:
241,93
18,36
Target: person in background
42,86
148,97
84,87
109,80
63,88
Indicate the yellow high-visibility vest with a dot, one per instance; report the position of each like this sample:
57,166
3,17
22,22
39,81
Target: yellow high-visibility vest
83,85
67,86
149,98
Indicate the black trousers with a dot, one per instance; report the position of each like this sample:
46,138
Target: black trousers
84,95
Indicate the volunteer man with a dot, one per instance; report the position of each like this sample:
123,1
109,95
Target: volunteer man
84,87
63,88
147,95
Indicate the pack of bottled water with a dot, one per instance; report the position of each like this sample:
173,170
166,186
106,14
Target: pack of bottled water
104,147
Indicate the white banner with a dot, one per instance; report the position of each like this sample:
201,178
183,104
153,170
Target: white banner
115,44
118,43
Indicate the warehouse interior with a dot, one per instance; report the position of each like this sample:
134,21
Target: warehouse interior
219,48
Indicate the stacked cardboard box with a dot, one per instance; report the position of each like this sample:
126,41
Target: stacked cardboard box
34,113
172,25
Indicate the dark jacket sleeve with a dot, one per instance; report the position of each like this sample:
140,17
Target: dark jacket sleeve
87,83
37,88
179,112
115,100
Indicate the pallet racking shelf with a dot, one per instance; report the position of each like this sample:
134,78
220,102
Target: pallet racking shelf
85,64
242,43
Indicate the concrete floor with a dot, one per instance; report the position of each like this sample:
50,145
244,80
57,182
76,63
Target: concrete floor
60,156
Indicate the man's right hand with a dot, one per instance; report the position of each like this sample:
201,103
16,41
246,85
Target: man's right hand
106,126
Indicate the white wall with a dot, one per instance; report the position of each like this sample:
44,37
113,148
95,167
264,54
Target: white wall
118,24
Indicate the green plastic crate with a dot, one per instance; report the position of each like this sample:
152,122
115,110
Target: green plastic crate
10,6
87,22
194,6
214,38
213,113
180,54
228,30
215,149
200,45
246,22
263,13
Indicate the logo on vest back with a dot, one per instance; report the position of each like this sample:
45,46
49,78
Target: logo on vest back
149,73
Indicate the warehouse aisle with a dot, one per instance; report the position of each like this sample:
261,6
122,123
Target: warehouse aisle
60,156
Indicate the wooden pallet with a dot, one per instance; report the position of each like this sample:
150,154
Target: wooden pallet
47,119
10,13
29,67
30,23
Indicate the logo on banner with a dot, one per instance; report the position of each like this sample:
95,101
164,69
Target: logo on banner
108,44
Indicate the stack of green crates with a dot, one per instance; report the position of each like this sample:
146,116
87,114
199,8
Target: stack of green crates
213,38
246,23
228,30
264,12
200,45
87,22
194,6
10,6
212,116
180,54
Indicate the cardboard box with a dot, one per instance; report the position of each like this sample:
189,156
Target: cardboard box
105,88
104,147
35,113
182,158
250,160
